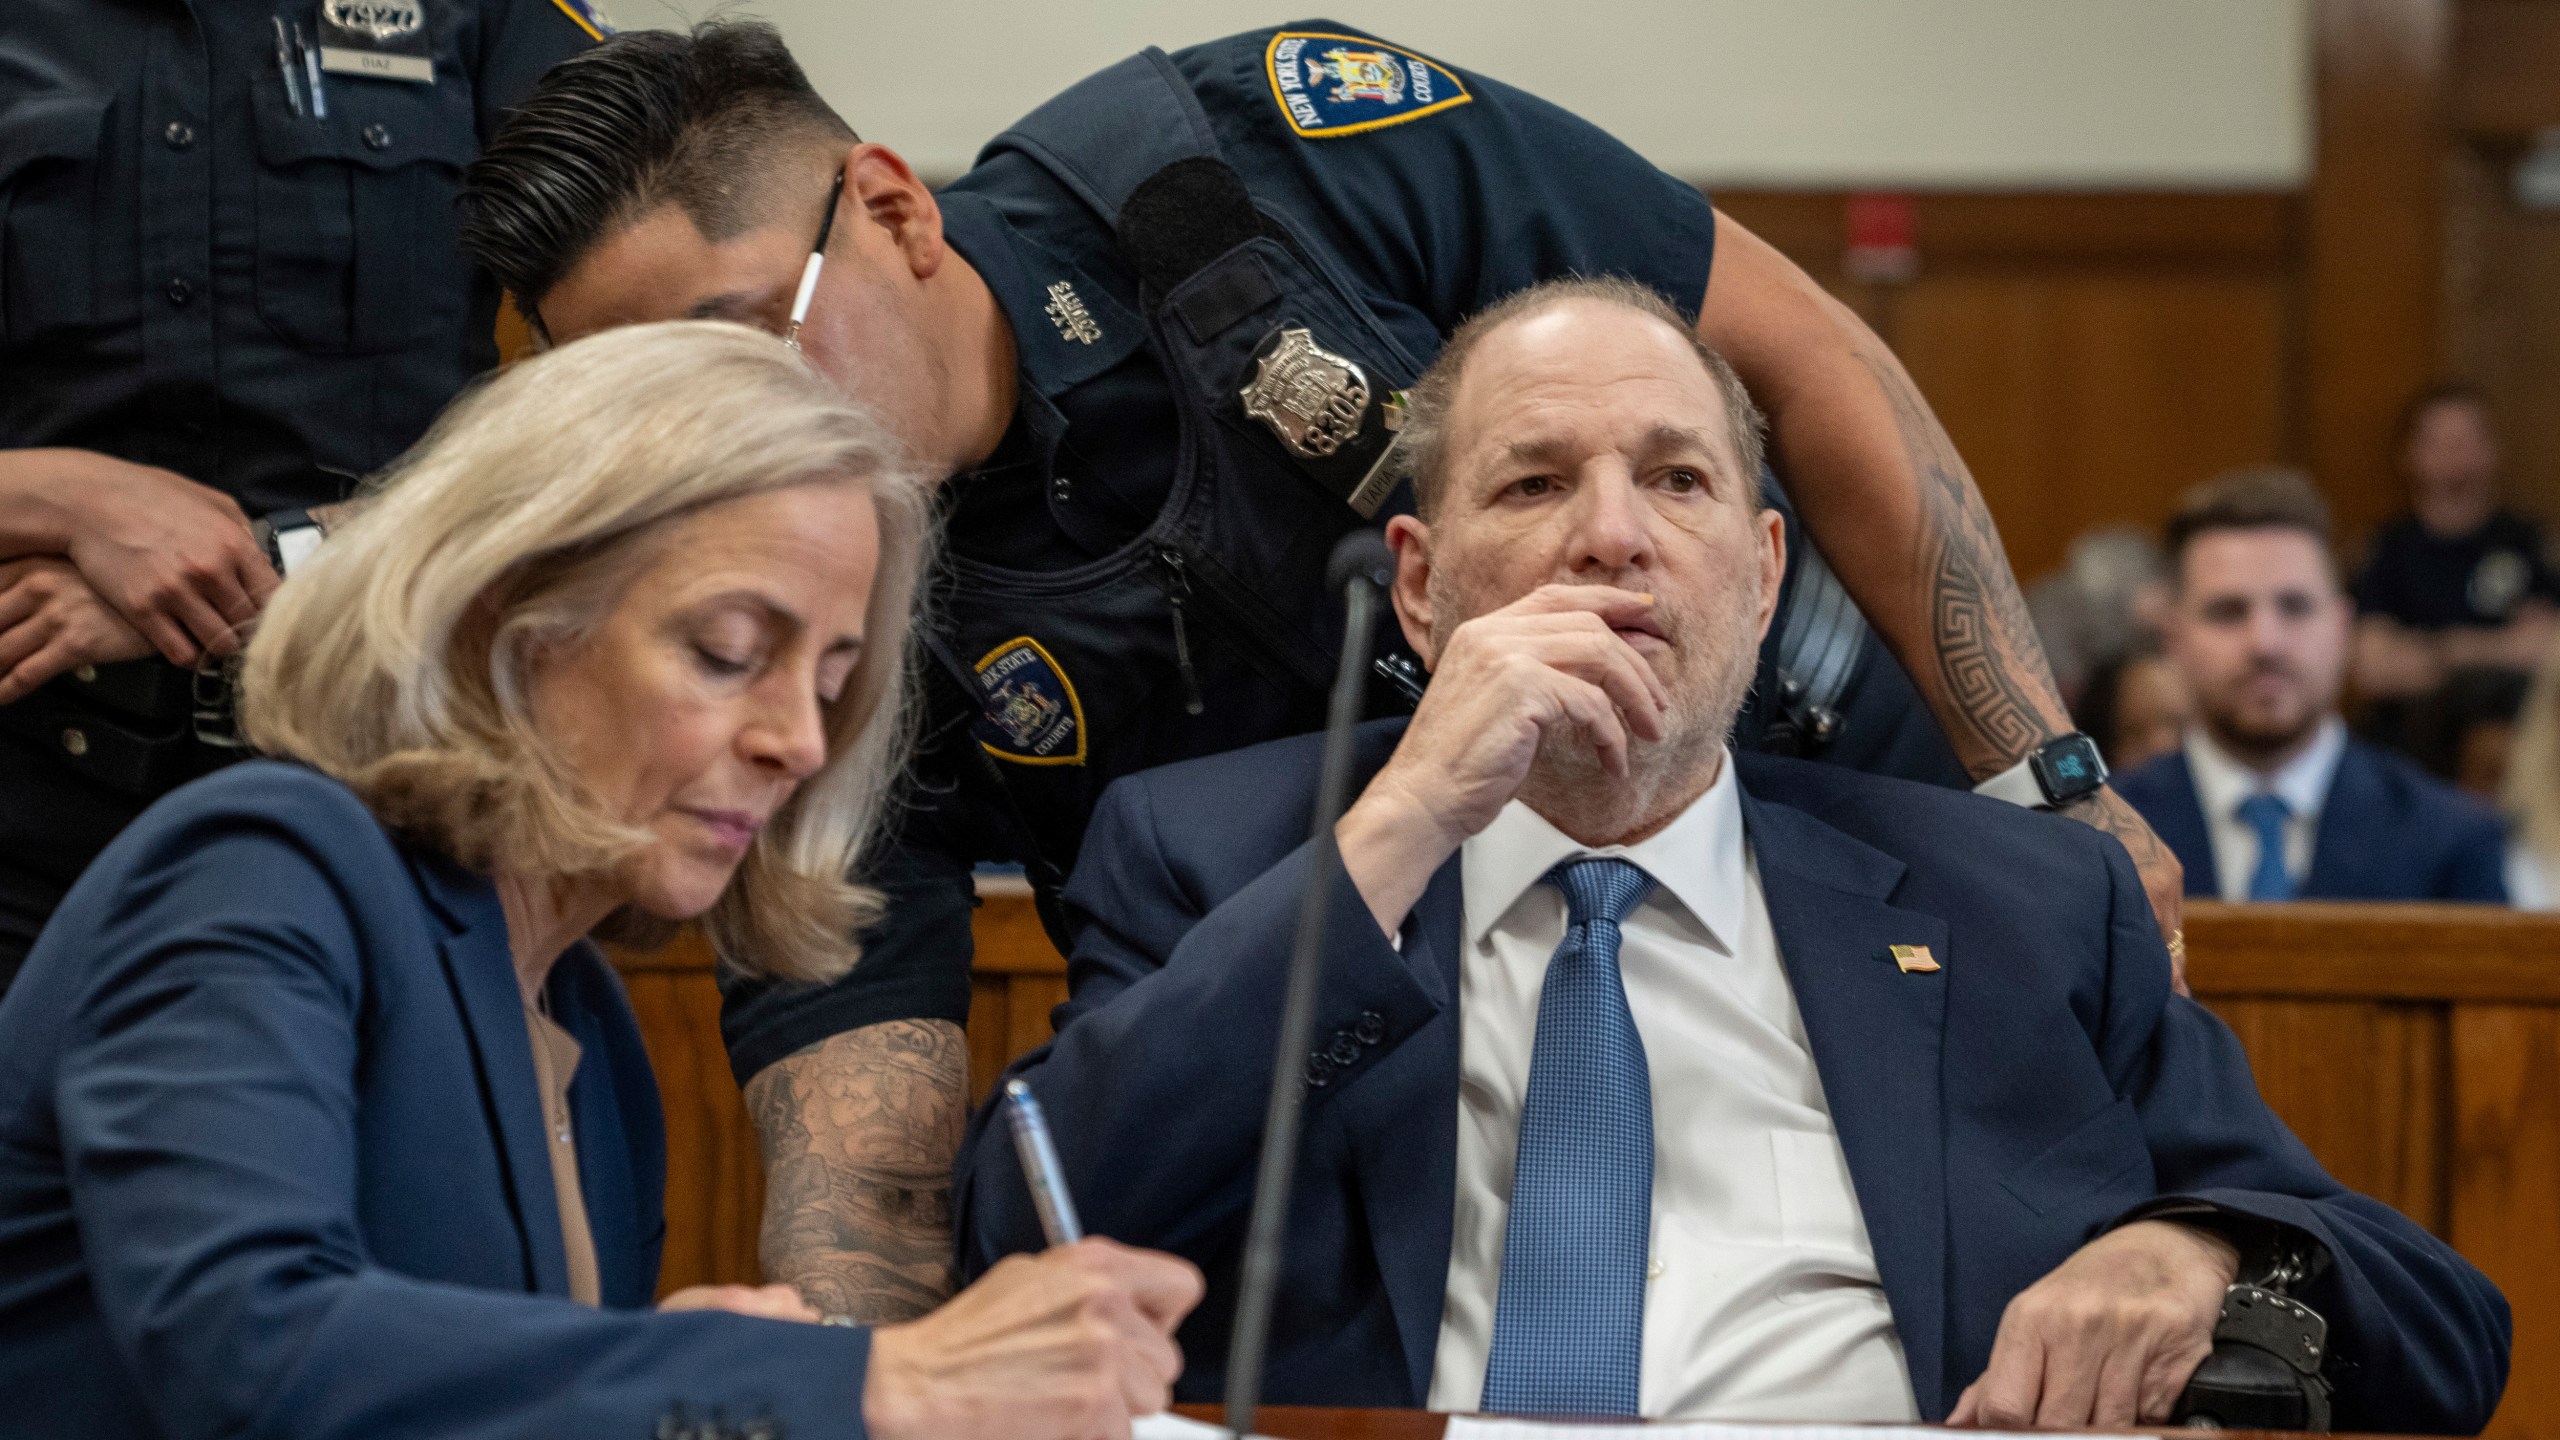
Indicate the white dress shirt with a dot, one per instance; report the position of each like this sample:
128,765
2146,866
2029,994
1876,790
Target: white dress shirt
2223,781
1763,1300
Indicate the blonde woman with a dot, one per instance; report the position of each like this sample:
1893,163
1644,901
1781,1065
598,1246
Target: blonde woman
318,1114
2530,795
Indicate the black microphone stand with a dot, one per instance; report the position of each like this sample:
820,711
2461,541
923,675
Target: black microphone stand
1361,567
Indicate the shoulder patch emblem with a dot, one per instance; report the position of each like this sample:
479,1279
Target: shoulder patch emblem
2499,582
587,15
1329,85
1029,713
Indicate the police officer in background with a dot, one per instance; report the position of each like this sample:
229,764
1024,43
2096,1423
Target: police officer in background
1156,339
229,285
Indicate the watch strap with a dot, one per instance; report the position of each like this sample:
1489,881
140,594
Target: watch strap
2017,785
289,537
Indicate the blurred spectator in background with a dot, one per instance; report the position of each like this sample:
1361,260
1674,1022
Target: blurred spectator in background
2135,706
2268,799
2531,795
2456,582
2110,598
2465,731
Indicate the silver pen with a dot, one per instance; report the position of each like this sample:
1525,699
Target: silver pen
310,54
1040,1165
285,68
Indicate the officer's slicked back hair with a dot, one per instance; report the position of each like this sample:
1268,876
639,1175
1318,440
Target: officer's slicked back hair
702,121
1423,447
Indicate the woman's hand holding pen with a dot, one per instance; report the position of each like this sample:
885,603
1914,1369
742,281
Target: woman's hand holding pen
1069,1344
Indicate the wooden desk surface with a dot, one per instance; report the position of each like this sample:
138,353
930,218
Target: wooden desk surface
1305,1422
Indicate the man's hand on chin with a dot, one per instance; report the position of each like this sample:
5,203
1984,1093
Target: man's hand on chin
2110,1337
1548,660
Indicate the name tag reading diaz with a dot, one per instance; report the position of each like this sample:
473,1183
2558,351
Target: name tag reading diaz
416,69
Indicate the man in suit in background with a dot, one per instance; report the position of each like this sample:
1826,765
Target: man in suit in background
2269,799
1657,1080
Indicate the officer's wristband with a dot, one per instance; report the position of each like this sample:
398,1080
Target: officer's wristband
288,537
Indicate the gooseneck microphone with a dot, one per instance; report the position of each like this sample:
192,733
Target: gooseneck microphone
1361,569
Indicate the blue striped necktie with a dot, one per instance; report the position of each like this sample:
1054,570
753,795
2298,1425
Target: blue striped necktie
1568,1322
2266,814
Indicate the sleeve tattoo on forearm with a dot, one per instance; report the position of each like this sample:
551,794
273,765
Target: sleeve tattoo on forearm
859,1133
1990,665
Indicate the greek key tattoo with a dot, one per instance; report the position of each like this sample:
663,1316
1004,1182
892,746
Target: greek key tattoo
859,1134
1990,663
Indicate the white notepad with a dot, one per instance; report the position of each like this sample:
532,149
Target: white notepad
1170,1426
1479,1427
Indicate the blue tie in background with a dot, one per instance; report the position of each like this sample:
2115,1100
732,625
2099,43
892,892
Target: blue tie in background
1568,1322
2266,814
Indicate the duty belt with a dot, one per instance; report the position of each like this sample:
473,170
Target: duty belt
139,727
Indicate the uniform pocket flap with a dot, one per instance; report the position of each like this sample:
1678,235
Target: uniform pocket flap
2098,1152
373,124
49,127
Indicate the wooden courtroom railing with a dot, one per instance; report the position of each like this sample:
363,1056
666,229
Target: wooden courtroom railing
2414,1048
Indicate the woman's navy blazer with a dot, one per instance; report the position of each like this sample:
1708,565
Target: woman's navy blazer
272,1160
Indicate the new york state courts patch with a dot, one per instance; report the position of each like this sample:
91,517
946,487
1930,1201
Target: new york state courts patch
1030,713
1330,85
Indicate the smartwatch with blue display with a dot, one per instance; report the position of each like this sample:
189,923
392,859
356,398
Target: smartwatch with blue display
2055,773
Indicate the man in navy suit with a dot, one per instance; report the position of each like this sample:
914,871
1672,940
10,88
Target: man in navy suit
1655,1080
2269,799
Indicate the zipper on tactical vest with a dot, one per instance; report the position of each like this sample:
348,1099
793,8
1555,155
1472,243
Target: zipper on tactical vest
1177,592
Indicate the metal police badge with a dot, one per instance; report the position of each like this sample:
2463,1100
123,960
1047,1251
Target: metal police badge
1029,713
1311,398
1328,84
378,21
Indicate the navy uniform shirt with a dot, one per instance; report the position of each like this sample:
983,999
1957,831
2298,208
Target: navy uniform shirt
2434,582
194,276
1427,218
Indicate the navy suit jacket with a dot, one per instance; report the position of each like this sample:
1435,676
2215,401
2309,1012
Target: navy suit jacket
2388,831
272,1159
1996,1114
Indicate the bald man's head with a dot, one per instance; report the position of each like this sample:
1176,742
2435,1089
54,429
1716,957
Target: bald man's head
1426,442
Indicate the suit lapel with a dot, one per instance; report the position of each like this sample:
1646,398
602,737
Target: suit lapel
482,975
2179,822
1876,1035
1403,1136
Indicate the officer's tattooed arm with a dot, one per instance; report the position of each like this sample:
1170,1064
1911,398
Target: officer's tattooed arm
859,1134
1892,507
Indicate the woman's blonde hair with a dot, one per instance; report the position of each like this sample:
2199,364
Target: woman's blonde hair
2531,792
396,658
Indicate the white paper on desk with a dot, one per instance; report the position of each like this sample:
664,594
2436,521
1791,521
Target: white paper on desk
1169,1426
1479,1427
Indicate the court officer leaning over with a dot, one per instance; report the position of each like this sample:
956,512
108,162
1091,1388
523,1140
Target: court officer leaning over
229,284
1157,337
318,1114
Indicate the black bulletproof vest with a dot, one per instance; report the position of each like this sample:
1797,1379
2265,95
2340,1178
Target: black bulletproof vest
1212,629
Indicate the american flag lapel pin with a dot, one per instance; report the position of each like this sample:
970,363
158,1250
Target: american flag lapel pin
1914,959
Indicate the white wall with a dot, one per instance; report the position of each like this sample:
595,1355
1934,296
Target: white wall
1782,93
